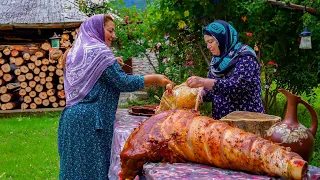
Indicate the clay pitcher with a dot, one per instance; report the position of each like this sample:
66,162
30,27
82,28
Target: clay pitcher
290,133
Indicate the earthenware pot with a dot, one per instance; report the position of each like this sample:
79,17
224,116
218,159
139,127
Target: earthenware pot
290,133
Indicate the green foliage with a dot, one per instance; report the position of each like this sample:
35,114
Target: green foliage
273,31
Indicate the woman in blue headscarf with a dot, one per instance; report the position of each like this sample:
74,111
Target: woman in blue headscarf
233,82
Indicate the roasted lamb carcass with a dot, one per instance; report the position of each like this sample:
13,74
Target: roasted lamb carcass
184,135
181,97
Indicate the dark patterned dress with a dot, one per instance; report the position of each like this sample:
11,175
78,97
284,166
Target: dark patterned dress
240,90
86,129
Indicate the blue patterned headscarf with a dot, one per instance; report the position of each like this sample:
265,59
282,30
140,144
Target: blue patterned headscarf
230,47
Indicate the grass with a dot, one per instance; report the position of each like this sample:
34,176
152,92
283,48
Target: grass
29,147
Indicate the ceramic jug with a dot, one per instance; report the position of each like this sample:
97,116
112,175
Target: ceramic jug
290,133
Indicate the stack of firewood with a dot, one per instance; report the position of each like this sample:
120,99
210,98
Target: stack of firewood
31,77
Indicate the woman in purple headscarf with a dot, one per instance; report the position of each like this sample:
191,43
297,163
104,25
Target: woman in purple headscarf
93,82
233,82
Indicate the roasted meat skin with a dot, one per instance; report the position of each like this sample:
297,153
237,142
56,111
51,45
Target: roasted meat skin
181,97
185,136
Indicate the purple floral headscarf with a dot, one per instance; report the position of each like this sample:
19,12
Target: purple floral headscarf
86,60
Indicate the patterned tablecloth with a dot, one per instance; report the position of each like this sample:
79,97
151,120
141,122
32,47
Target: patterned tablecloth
126,123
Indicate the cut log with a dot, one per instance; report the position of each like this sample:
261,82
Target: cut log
24,106
40,54
52,99
26,56
36,78
14,53
29,76
33,58
19,61
62,103
45,61
22,92
60,86
33,106
11,105
1,73
60,66
38,63
0,54
32,94
6,51
28,89
3,107
36,70
49,85
17,71
55,105
61,80
43,81
46,46
3,89
8,77
45,102
12,86
256,123
23,84
12,60
59,72
51,74
42,74
65,37
43,95
51,68
51,92
31,66
61,94
24,69
52,61
7,97
37,100
27,99
6,68
32,84
55,54
49,79
2,82
44,68
2,61
22,78
39,88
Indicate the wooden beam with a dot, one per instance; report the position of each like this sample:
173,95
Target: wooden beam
310,10
40,26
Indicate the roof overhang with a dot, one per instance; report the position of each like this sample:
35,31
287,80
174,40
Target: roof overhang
64,25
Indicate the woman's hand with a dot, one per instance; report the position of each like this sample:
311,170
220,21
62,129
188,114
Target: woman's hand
195,82
120,61
157,79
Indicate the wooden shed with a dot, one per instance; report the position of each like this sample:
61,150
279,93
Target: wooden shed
31,70
35,20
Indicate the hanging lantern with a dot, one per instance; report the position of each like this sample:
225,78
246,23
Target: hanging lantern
55,40
305,42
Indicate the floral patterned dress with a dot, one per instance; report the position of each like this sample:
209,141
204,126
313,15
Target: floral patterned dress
86,129
240,90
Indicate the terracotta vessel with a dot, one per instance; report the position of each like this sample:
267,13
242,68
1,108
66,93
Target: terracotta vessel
290,133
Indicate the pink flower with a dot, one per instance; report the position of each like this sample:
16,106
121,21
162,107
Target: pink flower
166,60
158,44
126,17
249,34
